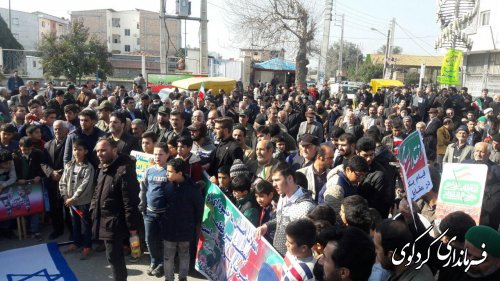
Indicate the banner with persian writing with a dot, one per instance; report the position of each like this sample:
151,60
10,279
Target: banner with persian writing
227,248
461,189
142,162
414,167
450,68
21,200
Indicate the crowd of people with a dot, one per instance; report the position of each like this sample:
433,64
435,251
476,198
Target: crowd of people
315,172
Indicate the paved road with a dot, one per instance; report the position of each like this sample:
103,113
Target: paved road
95,268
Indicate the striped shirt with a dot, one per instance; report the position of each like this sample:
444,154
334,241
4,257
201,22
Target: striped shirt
296,269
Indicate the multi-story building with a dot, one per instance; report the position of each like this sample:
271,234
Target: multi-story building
28,28
48,24
130,31
481,65
24,27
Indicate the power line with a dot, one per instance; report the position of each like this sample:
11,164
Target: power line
423,41
414,41
366,15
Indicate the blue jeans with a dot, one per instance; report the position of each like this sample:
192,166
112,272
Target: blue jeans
82,224
34,223
152,226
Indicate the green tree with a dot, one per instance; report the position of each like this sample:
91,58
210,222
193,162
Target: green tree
412,78
75,54
367,71
351,55
396,50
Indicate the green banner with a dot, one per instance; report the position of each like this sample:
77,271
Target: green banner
450,68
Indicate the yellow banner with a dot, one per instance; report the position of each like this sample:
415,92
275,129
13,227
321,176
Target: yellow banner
450,68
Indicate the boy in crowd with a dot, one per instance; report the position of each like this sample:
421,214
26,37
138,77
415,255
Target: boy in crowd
245,198
193,165
264,195
27,163
148,142
35,134
76,188
7,178
7,134
182,218
224,182
299,260
153,206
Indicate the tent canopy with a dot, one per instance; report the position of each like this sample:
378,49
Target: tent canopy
214,83
383,83
275,64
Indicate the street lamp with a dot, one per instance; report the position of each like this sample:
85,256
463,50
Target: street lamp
386,55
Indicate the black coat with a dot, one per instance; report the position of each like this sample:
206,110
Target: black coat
224,155
34,165
114,206
53,157
184,211
127,143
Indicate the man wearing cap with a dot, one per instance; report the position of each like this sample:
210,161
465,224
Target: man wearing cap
308,147
433,125
162,124
490,209
58,103
443,138
459,151
104,110
478,241
311,126
70,95
244,117
202,145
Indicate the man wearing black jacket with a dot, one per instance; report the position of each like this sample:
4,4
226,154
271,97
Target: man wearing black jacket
126,142
227,150
114,207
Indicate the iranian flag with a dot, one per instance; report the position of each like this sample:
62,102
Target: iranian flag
201,93
478,104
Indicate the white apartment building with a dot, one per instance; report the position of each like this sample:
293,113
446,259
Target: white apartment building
130,32
481,65
28,28
24,27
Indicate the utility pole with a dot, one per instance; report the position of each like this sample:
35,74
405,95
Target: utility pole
325,42
386,55
341,48
163,51
203,38
10,19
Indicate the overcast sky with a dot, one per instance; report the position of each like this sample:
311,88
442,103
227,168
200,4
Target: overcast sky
415,32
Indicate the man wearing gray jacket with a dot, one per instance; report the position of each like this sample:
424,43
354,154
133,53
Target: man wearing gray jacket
294,203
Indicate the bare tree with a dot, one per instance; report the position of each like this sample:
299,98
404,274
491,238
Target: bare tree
288,24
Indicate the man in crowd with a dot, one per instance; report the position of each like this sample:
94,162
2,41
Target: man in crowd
114,207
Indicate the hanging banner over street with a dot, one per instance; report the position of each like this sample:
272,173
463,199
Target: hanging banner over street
414,167
142,162
461,189
20,200
227,248
450,68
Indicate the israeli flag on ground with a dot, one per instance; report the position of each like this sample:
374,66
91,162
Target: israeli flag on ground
40,262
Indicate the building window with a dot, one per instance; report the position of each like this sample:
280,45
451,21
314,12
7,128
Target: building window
116,39
127,32
43,24
115,22
138,41
138,25
34,64
127,48
485,18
